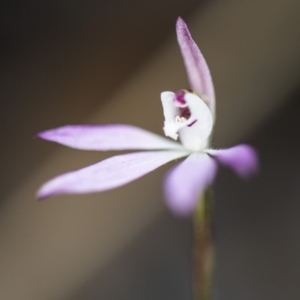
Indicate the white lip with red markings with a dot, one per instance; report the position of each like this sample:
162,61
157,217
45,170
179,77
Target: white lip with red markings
189,117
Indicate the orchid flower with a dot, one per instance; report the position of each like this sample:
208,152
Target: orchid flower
189,115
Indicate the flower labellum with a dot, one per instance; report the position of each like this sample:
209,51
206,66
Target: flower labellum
189,117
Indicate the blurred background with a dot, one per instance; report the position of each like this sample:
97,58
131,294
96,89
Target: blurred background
72,62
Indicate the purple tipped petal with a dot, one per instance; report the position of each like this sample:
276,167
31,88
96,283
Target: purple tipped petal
196,66
187,181
108,174
107,137
242,159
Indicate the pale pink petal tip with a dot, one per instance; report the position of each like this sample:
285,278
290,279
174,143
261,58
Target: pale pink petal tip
242,159
187,181
196,66
108,174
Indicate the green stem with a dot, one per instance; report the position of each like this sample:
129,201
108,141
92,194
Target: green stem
203,248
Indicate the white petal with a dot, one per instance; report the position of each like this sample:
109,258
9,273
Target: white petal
169,109
195,137
170,112
195,131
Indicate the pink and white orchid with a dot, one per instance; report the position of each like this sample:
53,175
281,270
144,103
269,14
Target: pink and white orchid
189,115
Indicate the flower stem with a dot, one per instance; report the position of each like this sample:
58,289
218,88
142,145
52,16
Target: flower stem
203,248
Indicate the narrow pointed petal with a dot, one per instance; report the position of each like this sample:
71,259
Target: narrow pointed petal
108,174
196,66
241,158
186,181
107,137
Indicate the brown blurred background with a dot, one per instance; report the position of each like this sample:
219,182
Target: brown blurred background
72,62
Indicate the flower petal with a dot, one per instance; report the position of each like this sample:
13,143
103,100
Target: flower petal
170,126
169,109
194,131
241,158
108,174
107,137
196,66
186,181
195,135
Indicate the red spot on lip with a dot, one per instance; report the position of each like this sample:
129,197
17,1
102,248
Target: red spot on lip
184,112
179,97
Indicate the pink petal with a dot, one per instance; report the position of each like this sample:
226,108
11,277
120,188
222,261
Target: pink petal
186,181
107,137
108,174
196,66
241,158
